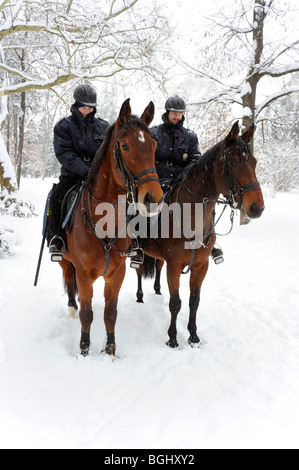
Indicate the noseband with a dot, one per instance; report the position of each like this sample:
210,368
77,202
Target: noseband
131,181
235,190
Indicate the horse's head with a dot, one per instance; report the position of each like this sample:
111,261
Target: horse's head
135,155
239,182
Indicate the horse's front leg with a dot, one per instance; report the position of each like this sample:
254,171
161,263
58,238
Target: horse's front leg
113,284
173,278
198,273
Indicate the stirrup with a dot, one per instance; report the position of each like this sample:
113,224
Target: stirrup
137,257
217,255
56,253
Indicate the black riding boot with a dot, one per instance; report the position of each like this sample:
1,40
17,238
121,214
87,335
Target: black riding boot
55,232
217,255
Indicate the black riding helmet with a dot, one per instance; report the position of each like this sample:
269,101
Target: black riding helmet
86,95
176,104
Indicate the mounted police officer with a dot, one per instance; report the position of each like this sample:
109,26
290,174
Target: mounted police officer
178,147
76,141
177,150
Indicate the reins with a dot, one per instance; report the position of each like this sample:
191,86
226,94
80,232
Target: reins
89,221
131,183
234,188
233,199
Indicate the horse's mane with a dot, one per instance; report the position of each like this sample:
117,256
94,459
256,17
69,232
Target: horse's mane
100,155
131,123
210,155
201,163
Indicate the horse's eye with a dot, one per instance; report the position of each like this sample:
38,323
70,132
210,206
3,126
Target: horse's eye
125,147
234,162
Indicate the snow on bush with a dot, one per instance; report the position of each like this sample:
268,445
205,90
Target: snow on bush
8,239
15,207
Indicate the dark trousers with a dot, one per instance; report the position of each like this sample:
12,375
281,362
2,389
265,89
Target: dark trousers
55,216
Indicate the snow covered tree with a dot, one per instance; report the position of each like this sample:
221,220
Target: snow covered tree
7,175
249,52
66,41
278,145
71,40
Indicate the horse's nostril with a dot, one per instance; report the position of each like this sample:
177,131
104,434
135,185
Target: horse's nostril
256,210
148,200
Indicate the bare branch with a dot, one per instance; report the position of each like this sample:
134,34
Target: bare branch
44,85
119,12
280,72
14,72
68,9
3,5
275,97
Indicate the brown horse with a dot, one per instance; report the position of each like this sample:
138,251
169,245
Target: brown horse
124,166
228,169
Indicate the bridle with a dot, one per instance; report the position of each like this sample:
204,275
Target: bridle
131,181
233,198
235,190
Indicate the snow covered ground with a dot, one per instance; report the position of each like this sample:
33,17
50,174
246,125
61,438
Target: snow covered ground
239,390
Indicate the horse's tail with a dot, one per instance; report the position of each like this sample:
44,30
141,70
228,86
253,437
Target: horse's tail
149,267
76,291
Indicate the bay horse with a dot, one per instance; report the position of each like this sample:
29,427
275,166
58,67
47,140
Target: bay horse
124,165
228,169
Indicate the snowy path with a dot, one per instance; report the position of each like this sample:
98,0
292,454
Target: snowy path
241,389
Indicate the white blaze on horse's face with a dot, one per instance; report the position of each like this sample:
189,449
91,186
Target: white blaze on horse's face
141,137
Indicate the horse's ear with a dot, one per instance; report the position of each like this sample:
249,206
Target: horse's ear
124,114
234,133
248,135
148,113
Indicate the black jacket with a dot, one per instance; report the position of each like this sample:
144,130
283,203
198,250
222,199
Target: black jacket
177,148
76,141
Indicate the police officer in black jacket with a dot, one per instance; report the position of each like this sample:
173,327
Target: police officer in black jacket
178,147
76,141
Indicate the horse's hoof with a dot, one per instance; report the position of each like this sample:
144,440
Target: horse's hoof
84,352
194,341
172,343
72,312
84,348
110,350
139,300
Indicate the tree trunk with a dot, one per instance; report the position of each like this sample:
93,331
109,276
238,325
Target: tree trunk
21,124
19,156
7,180
249,98
8,125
